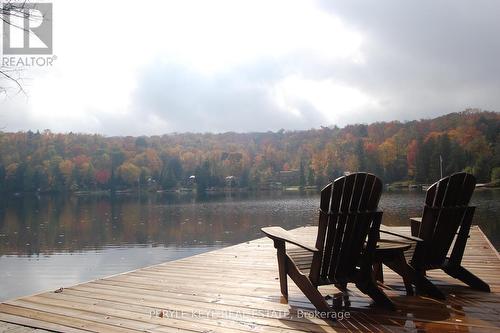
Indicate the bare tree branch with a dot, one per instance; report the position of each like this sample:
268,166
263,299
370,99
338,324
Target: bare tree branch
9,9
16,81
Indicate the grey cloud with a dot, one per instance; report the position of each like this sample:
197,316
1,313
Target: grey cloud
240,99
422,59
425,58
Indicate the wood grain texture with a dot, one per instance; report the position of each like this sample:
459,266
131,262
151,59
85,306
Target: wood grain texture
236,289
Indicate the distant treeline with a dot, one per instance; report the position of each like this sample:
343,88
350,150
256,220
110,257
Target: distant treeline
396,151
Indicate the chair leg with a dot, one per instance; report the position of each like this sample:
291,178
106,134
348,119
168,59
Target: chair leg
411,276
399,265
310,291
459,272
378,272
369,286
282,268
345,294
408,285
426,287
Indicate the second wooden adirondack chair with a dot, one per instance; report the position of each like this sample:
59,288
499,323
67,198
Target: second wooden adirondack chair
347,236
445,221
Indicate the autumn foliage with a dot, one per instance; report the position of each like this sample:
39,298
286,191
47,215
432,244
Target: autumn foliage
395,151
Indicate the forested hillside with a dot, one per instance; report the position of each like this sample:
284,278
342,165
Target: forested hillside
395,151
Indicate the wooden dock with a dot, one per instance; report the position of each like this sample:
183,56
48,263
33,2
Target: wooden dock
236,289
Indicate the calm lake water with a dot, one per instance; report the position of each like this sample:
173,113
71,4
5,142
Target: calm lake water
51,242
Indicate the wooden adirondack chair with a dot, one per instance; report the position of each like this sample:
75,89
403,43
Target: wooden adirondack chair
445,221
347,236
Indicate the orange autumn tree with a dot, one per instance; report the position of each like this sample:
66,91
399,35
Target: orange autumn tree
396,151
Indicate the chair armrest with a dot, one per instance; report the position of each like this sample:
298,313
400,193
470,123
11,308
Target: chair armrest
385,230
280,234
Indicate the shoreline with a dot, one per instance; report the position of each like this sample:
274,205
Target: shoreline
183,191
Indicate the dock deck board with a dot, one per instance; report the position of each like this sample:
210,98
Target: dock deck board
236,289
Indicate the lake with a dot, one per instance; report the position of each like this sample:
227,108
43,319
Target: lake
49,242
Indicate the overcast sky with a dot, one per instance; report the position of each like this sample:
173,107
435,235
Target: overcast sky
153,67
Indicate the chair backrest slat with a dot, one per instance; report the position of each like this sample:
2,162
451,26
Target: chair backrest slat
326,194
327,225
445,206
336,224
357,192
367,192
351,202
353,227
374,198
